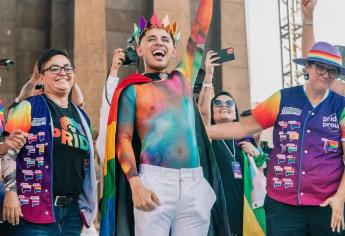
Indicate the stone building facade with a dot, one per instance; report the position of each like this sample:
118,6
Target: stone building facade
89,30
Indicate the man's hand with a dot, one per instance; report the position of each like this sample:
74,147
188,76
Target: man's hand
11,210
308,7
249,148
143,198
336,202
15,140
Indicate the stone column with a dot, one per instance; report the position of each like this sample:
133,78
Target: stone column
90,53
235,76
8,49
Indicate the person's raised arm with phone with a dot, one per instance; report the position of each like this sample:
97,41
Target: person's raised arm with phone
207,90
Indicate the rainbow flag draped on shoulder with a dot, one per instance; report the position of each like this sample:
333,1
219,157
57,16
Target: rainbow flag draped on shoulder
254,183
117,207
112,177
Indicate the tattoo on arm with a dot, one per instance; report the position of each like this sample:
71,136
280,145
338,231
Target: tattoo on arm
8,171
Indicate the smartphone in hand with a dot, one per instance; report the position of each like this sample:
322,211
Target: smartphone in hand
225,55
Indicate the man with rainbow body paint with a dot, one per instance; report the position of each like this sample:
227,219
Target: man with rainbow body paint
169,193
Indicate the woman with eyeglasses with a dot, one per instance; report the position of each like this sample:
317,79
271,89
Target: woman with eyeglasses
306,174
54,188
229,153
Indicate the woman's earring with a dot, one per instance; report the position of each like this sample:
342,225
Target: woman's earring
305,74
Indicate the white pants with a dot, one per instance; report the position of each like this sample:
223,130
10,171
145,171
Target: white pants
186,201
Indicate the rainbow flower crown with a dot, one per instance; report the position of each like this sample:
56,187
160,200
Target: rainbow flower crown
143,25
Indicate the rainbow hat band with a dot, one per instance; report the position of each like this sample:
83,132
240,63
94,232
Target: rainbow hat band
325,53
154,22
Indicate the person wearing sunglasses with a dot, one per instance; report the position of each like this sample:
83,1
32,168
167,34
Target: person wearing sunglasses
229,153
54,188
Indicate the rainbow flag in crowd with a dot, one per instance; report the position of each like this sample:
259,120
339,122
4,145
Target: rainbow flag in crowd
254,220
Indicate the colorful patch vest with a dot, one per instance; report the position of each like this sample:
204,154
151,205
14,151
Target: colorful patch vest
35,164
306,163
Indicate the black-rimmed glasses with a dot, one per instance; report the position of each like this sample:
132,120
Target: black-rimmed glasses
55,69
321,69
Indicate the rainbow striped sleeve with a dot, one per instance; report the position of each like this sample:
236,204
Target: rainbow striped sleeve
20,118
342,124
191,61
266,112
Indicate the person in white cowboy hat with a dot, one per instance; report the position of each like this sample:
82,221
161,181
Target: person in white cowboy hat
305,178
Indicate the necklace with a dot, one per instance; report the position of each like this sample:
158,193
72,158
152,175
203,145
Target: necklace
232,154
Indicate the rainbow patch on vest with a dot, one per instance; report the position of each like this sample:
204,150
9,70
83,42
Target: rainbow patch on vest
37,188
40,161
288,183
23,200
330,145
35,201
277,182
289,170
39,175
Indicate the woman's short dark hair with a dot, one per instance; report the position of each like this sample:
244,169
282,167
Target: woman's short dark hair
46,55
226,94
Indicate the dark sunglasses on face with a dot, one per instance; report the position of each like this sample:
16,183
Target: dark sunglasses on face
55,69
220,103
321,69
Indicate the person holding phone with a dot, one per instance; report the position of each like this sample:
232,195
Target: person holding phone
230,153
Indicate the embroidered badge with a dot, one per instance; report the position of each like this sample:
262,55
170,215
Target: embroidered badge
281,158
40,161
288,183
291,111
283,124
41,136
294,124
35,200
291,147
30,162
291,159
37,187
278,170
28,174
23,200
329,145
25,187
282,136
38,121
293,135
276,182
32,138
39,175
289,170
